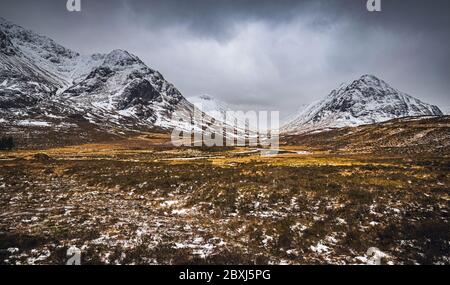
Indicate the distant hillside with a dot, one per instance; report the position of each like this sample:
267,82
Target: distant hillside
402,136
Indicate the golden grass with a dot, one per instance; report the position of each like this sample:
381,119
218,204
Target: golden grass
141,149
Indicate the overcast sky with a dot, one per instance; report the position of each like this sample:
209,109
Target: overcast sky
274,55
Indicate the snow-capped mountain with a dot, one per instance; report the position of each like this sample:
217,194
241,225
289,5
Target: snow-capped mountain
222,111
367,100
213,107
123,83
41,81
210,105
292,116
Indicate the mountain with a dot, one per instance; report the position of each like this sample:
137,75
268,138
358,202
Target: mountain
210,105
123,83
46,87
292,116
367,100
222,111
215,108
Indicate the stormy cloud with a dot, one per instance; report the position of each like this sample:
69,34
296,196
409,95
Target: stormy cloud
262,54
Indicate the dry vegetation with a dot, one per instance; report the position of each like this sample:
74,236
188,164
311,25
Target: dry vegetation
405,136
141,201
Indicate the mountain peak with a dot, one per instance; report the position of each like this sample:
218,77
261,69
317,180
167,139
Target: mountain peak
209,104
5,23
6,46
121,57
369,77
206,97
370,80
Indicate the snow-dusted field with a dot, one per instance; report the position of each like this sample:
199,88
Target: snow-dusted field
125,204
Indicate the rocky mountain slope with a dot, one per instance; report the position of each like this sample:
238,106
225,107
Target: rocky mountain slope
367,100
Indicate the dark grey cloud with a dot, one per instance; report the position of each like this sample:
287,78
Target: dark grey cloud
271,54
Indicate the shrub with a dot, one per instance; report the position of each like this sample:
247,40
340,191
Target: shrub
7,143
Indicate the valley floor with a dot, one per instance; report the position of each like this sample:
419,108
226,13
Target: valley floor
142,201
